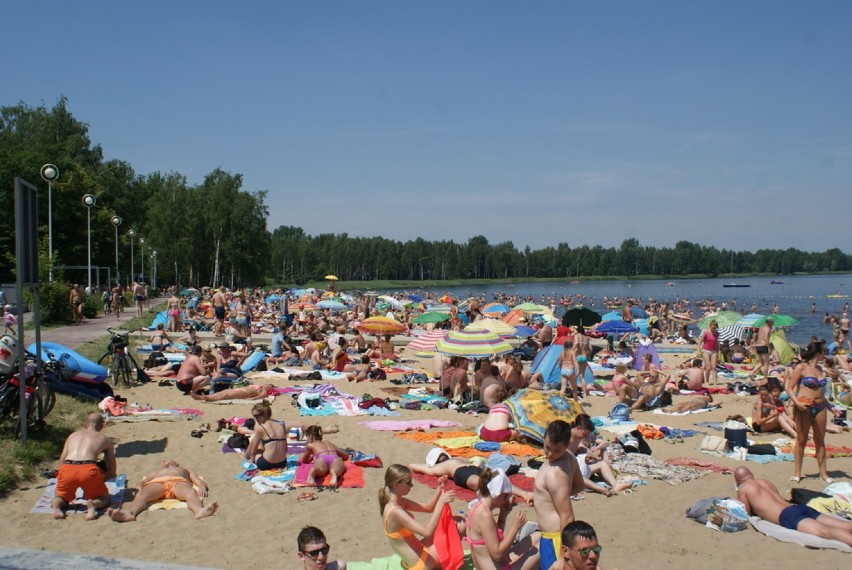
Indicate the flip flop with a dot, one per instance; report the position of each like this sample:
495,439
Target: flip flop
196,433
306,497
679,438
828,480
627,492
795,479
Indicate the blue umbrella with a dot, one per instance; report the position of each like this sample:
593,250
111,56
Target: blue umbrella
615,327
524,331
333,305
612,316
272,299
415,298
638,312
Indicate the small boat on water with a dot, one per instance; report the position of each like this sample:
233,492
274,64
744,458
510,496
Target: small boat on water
776,282
837,296
669,284
736,285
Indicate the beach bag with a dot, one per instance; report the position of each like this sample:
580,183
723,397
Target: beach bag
238,441
377,374
156,358
698,510
620,412
713,443
803,496
761,449
727,515
736,436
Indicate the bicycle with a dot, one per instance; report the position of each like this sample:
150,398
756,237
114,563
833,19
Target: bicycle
118,361
39,397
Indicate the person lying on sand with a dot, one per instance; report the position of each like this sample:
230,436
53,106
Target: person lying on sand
440,464
171,481
762,498
325,458
705,401
250,392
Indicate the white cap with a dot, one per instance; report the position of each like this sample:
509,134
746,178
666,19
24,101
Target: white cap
500,484
434,455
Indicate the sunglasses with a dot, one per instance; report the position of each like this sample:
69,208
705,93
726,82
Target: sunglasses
313,554
584,552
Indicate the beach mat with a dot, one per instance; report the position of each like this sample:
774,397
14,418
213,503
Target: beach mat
116,487
353,478
660,412
395,563
161,415
802,539
465,494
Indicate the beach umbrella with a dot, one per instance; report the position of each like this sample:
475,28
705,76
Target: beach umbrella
273,299
723,318
416,298
779,321
476,344
612,316
513,317
638,312
330,304
430,318
732,332
302,306
494,325
533,410
532,308
524,331
380,326
426,342
395,303
439,308
495,309
749,319
580,316
615,327
331,278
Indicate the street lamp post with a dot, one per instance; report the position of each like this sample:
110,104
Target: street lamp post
89,201
50,174
154,271
132,233
116,221
142,275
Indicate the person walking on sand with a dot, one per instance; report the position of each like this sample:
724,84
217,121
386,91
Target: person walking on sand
762,347
762,498
171,481
219,304
79,468
75,300
557,480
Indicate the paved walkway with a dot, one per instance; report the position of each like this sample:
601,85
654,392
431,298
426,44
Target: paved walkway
28,558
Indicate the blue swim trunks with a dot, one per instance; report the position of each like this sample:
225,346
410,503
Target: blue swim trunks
794,514
550,548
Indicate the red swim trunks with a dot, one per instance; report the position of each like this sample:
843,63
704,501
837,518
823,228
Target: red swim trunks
87,475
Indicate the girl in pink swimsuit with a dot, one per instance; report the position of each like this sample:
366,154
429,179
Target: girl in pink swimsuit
491,541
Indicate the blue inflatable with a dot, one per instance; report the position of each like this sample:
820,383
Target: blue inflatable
77,367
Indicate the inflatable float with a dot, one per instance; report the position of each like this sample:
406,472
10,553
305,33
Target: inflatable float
78,368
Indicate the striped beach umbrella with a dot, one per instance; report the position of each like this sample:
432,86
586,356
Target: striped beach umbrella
493,325
492,309
749,320
427,341
474,344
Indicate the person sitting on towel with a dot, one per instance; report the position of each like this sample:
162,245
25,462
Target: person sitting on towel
705,401
762,498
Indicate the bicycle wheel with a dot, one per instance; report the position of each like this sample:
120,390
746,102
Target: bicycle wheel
115,371
9,403
105,360
124,369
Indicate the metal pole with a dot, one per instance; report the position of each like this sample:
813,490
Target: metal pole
116,221
142,244
89,201
50,173
131,233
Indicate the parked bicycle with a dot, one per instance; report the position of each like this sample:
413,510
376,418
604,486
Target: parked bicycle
120,364
39,397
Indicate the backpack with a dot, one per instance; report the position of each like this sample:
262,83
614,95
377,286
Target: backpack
620,412
156,358
238,441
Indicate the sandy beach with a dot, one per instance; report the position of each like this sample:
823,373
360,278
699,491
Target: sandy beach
644,530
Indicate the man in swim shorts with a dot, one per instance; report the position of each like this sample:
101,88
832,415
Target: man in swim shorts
219,303
762,347
79,468
192,376
557,480
171,481
762,498
580,548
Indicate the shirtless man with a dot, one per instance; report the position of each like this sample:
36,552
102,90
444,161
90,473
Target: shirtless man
580,548
557,480
75,299
219,303
138,297
514,376
313,550
762,348
844,331
694,374
171,481
116,301
78,467
543,336
440,464
250,392
695,404
192,376
762,498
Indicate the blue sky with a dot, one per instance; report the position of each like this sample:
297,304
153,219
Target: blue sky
724,123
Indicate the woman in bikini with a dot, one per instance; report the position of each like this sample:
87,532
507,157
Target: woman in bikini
568,369
806,390
582,350
491,541
160,339
769,414
399,524
496,425
325,457
173,311
267,448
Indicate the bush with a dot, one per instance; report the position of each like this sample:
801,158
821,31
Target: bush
92,306
54,302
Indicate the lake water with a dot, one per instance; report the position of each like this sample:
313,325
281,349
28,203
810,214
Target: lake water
795,297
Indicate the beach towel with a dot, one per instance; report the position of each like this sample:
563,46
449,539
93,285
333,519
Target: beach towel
157,415
353,478
659,411
463,493
447,541
802,539
115,486
404,425
395,563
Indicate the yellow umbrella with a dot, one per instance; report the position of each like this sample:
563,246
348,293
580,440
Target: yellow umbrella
332,278
494,325
381,325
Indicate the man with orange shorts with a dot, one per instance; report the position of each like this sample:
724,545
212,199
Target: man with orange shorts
171,481
79,468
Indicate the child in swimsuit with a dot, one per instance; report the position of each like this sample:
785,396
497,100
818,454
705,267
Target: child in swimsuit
400,526
491,542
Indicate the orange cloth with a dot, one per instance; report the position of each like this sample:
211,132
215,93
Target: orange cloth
88,476
447,541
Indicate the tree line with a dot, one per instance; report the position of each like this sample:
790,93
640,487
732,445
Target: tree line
216,232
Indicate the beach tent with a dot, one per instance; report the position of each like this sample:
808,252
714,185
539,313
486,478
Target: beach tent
547,363
161,318
641,351
782,347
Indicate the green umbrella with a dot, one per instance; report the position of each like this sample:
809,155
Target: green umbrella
723,318
532,308
430,318
779,321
